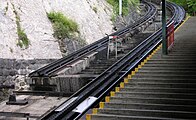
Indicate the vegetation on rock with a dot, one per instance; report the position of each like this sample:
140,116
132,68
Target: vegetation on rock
63,26
64,29
189,5
23,40
126,4
6,9
95,9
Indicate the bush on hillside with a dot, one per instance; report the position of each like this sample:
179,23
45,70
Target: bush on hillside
23,40
189,5
63,26
126,4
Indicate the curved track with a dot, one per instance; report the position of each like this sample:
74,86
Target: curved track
50,69
103,84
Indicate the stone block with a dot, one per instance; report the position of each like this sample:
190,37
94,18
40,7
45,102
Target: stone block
76,67
68,84
13,72
6,72
1,72
22,71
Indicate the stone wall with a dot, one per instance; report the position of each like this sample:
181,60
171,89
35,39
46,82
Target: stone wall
13,71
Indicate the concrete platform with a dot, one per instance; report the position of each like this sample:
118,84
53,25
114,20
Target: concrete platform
186,34
37,106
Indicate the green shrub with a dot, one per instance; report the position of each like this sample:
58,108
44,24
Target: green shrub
23,40
126,4
115,4
63,26
113,17
189,5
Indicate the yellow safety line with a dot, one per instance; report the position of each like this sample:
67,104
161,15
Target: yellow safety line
101,105
126,79
107,99
129,76
88,117
117,89
122,84
182,23
95,110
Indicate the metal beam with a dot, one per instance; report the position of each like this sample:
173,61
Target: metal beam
164,34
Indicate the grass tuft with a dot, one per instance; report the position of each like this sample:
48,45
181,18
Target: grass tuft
63,26
23,41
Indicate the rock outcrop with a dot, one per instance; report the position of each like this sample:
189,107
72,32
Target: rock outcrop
93,17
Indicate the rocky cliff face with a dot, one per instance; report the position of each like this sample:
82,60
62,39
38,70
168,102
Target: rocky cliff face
93,17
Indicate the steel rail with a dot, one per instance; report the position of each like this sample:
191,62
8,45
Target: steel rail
50,69
101,85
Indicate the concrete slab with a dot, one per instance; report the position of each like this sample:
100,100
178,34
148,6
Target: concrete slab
37,106
186,33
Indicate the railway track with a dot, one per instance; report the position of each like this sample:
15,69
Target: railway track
65,71
50,70
91,94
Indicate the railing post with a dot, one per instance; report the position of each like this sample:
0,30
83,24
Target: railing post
164,41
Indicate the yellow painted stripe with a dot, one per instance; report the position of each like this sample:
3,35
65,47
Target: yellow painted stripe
133,73
117,89
136,69
112,93
148,58
145,61
101,105
122,85
107,99
129,76
160,46
88,117
95,110
139,66
154,52
126,80
182,23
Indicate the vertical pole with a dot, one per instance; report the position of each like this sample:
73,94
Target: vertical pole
164,41
116,48
120,7
108,53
